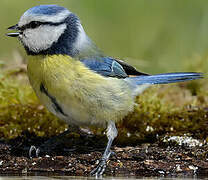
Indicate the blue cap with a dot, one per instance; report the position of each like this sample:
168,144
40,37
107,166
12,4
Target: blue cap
46,10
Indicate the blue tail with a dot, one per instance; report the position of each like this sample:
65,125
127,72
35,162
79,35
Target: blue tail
165,78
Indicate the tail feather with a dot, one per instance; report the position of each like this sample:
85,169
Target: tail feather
165,78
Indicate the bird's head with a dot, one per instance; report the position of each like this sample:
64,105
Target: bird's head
50,29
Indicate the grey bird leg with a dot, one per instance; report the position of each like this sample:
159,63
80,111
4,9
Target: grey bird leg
111,134
52,142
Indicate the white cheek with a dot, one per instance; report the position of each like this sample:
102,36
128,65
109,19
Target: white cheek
43,37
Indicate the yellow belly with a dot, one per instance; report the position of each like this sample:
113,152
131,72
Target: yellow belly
76,94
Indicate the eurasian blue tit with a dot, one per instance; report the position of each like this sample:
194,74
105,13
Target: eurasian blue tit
74,79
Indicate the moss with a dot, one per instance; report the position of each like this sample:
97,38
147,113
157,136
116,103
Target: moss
170,109
174,109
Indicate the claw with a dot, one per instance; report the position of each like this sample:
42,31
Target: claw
99,170
37,151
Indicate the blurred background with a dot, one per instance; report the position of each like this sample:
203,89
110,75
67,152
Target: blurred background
155,36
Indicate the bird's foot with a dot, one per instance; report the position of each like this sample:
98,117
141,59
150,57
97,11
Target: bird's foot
48,145
34,152
39,151
99,170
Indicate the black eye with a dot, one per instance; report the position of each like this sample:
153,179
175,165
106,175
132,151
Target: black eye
34,24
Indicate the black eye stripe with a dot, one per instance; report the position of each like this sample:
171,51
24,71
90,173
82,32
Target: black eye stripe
35,24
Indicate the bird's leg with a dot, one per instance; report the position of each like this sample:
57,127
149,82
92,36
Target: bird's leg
51,143
111,134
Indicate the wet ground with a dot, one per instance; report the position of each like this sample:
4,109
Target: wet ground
73,157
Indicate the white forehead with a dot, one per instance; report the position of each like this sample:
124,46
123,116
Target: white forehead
44,13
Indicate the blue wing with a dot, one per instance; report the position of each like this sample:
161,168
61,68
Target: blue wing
105,66
110,67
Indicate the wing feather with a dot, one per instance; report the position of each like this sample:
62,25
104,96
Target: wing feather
110,67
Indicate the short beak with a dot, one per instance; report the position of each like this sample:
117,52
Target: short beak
15,34
15,27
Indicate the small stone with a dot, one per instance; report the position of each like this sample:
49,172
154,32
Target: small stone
178,168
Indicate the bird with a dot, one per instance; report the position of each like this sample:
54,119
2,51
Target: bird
74,79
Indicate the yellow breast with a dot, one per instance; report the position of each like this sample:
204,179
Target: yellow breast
76,94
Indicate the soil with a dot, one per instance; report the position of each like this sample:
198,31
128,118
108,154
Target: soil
77,156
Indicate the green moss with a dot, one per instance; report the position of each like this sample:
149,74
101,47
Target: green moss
170,109
174,109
